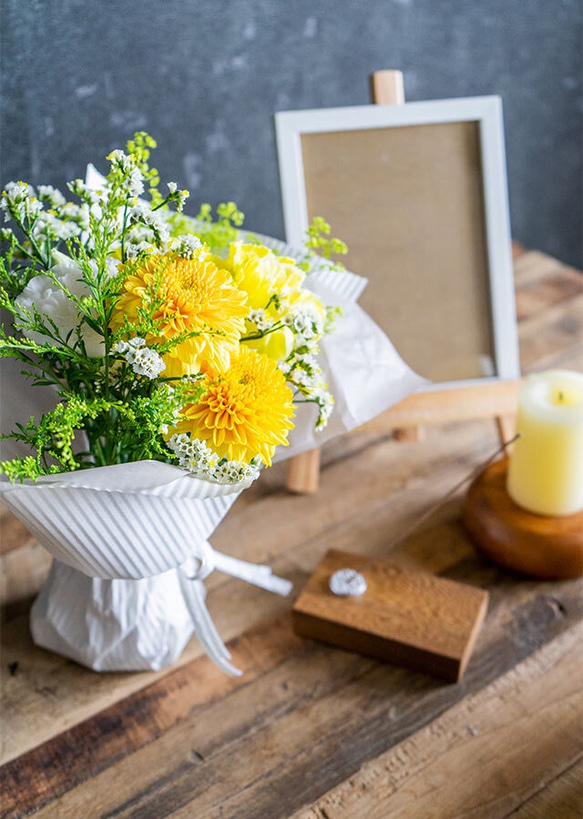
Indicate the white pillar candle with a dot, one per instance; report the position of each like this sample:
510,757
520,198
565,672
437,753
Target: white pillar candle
545,472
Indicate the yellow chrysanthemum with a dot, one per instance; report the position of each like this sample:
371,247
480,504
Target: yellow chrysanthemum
261,274
244,412
189,295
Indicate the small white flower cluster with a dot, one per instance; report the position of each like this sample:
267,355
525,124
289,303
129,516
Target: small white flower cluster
121,161
46,193
19,201
15,193
49,226
325,402
148,232
135,183
303,373
187,246
262,320
305,325
133,177
62,221
179,197
198,458
144,360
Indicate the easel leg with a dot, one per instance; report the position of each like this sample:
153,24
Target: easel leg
304,472
410,434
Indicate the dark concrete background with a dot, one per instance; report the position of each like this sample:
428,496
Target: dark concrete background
205,78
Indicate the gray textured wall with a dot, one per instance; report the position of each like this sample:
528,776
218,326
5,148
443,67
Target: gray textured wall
79,77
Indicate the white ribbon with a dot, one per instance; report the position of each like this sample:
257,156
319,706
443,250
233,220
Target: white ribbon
191,574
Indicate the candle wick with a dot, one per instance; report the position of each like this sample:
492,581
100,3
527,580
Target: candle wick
442,501
561,397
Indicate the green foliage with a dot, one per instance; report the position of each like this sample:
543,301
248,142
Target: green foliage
139,149
216,235
318,242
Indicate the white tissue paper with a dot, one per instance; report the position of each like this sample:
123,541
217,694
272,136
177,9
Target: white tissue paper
130,541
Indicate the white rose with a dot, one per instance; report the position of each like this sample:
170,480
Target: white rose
50,300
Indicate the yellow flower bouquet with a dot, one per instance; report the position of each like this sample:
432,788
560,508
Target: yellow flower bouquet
176,355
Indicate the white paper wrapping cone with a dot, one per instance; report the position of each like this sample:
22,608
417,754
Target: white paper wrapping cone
123,521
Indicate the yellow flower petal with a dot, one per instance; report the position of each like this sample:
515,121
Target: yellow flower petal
244,412
188,295
260,273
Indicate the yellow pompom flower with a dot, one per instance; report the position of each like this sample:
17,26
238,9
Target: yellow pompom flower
187,295
243,412
260,273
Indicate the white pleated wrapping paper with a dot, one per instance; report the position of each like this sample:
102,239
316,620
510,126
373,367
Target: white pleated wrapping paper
124,521
130,541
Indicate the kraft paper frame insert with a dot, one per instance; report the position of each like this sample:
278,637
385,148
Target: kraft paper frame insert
419,194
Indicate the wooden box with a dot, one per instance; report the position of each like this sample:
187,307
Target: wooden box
422,622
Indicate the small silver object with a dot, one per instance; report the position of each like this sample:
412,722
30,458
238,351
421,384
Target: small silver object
347,583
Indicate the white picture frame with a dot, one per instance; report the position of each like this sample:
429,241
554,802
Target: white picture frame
323,157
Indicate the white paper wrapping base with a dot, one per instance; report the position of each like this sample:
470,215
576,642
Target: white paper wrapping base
138,625
112,625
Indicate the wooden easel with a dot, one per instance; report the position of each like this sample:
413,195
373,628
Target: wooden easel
409,417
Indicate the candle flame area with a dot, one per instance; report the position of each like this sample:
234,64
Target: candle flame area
563,397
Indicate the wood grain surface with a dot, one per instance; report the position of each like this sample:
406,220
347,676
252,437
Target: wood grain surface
408,618
311,730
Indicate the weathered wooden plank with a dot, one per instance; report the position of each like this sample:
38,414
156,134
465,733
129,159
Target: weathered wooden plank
224,721
53,767
22,572
484,756
535,296
284,732
566,360
276,793
552,332
532,266
563,797
49,694
13,533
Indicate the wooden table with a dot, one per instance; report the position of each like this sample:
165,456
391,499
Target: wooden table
310,730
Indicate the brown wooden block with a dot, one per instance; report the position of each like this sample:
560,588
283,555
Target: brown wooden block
422,622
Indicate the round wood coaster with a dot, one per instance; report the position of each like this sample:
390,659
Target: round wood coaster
536,545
